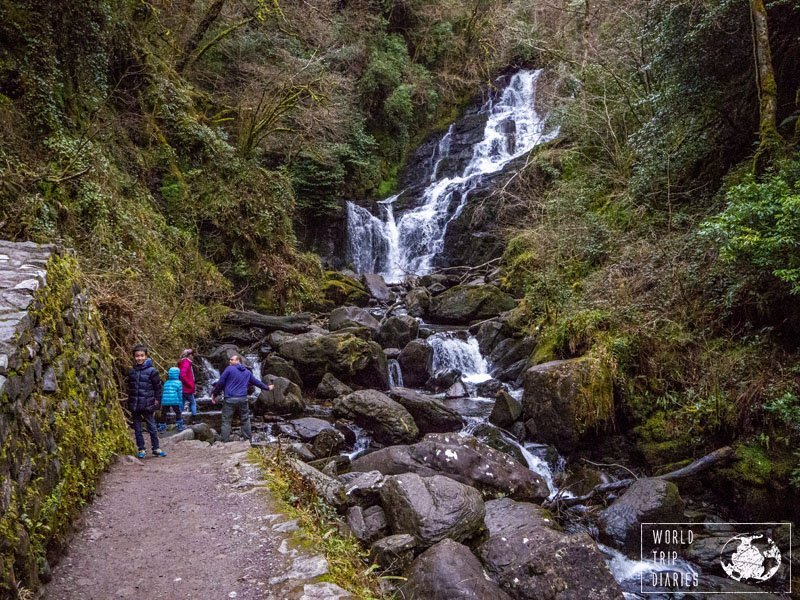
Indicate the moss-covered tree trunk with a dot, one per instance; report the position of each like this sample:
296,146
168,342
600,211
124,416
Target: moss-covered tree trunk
770,139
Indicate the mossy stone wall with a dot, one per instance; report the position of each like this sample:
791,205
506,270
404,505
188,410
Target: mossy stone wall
61,422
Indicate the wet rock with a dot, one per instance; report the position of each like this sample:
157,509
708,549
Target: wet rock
393,554
645,501
431,508
442,380
388,421
328,443
280,367
493,437
464,459
377,287
352,316
464,304
219,355
457,390
392,353
532,561
429,413
416,362
367,524
398,331
564,399
346,356
330,388
308,428
418,300
506,410
488,389
510,351
447,571
286,398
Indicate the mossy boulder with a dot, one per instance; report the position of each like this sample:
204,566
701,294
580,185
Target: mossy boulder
351,359
386,419
565,399
464,304
338,289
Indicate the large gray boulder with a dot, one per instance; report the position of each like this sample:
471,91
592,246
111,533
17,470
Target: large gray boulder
564,399
464,304
348,357
506,410
416,362
397,331
449,571
286,398
388,421
645,501
352,316
464,459
308,428
367,524
511,356
330,388
377,287
280,367
431,508
418,300
532,561
429,413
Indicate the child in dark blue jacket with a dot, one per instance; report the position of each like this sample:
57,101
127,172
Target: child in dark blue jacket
144,391
233,383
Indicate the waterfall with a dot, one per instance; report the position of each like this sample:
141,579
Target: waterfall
395,375
409,245
209,376
452,352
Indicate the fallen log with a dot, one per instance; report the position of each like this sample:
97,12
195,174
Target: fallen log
701,464
299,323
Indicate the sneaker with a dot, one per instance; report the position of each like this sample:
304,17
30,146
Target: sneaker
162,427
140,454
159,452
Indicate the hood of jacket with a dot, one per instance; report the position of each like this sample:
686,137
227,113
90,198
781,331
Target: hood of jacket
147,363
173,373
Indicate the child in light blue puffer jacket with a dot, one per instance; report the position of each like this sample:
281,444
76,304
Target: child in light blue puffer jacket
172,399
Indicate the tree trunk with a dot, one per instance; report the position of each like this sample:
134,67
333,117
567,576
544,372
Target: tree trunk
767,87
298,323
205,23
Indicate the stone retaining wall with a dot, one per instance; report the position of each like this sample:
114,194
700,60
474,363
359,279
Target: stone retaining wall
61,422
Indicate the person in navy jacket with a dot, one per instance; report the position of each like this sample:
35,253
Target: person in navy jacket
144,394
233,384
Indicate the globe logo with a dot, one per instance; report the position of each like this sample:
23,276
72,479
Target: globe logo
755,558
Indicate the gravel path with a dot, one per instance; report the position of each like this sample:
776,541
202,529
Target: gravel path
196,524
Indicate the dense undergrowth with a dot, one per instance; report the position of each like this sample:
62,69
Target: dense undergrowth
661,246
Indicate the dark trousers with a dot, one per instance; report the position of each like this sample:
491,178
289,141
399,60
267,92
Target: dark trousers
165,412
228,408
148,416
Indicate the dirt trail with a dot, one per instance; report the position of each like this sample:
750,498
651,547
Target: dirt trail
198,523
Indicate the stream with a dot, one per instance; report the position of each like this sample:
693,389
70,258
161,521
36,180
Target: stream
402,244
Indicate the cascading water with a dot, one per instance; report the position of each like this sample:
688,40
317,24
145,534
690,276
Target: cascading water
450,351
396,249
395,374
209,376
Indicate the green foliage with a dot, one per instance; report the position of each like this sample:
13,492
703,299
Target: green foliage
760,227
320,526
